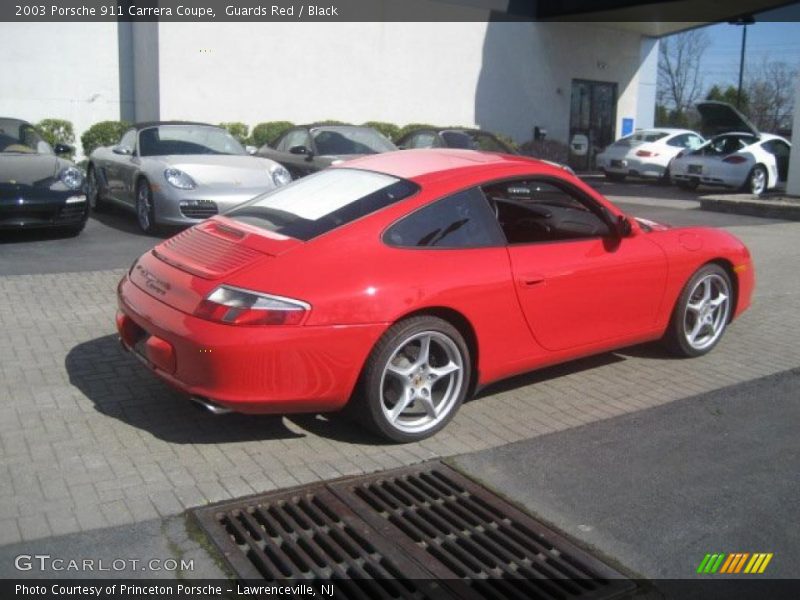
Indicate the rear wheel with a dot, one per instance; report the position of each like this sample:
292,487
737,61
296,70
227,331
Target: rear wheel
415,379
757,180
145,208
702,312
691,184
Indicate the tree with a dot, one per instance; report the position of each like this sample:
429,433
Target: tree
729,95
680,81
771,95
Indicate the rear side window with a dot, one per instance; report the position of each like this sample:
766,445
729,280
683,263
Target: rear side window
463,220
321,202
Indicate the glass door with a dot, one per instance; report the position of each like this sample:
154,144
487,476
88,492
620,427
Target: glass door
591,124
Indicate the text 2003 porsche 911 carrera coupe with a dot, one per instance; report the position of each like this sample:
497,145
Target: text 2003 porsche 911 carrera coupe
401,282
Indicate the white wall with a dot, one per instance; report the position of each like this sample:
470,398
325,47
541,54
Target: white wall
60,70
506,77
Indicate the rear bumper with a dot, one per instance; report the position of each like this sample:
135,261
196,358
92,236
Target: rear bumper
258,370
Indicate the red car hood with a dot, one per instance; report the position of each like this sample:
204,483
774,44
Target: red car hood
649,225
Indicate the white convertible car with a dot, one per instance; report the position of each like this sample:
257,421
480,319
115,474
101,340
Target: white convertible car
738,157
646,153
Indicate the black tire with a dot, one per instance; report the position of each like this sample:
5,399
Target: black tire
690,185
94,193
145,215
615,177
757,181
666,177
684,316
381,390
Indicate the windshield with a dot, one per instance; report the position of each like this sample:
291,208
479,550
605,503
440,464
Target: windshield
331,141
164,140
19,137
318,203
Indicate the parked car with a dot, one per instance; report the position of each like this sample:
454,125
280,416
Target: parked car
178,173
468,139
309,148
453,269
38,188
738,156
647,153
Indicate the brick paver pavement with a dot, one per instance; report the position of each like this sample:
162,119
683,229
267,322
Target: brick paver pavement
89,438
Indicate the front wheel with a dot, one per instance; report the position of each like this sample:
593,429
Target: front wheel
690,184
145,208
702,312
415,379
93,190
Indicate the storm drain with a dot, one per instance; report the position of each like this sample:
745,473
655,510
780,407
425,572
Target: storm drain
417,532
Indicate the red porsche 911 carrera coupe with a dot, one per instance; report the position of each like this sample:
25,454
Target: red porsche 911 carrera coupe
399,283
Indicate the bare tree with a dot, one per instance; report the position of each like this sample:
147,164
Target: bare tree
770,92
680,80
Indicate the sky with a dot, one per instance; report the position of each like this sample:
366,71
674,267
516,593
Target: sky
766,38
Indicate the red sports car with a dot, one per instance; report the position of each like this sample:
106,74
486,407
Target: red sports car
399,283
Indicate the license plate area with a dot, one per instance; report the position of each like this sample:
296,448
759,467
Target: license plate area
618,163
695,169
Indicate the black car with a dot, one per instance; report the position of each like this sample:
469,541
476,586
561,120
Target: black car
37,187
309,148
468,139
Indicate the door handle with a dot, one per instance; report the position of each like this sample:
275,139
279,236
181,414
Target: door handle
530,279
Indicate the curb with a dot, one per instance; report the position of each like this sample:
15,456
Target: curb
746,204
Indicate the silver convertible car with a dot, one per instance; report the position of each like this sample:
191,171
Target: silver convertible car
178,173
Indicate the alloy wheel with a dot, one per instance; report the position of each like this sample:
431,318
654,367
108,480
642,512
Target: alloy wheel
143,206
758,181
421,382
707,311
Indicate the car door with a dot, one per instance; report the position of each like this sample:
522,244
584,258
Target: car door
115,169
578,284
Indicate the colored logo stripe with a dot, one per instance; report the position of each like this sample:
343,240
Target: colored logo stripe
735,562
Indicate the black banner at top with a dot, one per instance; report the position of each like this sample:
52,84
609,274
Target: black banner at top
387,10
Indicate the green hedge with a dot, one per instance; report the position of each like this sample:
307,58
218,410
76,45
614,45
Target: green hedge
389,130
238,130
405,130
104,133
268,132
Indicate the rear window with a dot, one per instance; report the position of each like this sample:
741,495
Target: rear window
641,137
321,202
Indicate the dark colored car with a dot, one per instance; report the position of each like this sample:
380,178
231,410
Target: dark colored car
38,188
466,139
307,149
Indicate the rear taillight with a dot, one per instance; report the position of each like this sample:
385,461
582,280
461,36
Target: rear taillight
235,306
734,160
646,153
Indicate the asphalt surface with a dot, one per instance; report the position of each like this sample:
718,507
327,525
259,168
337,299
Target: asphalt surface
655,490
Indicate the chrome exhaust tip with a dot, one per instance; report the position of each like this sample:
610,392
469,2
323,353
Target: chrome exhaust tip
212,407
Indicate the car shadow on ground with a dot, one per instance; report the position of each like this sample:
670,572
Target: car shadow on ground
122,388
642,188
27,235
546,373
121,219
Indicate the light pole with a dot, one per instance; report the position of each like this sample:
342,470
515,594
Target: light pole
744,22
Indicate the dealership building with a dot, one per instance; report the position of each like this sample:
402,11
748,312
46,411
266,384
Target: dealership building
583,83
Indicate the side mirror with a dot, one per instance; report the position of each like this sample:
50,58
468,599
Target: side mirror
63,149
623,226
299,150
251,150
121,150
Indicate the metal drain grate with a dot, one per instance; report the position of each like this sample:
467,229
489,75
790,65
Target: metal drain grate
385,535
